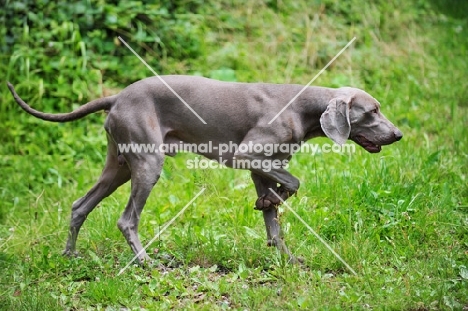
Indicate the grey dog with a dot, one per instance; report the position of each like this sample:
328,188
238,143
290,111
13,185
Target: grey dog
150,112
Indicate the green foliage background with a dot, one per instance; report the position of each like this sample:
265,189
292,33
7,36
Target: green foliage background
399,218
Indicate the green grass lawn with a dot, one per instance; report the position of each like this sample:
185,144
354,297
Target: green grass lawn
398,218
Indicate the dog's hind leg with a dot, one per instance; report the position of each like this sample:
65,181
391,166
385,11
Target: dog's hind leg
146,170
113,175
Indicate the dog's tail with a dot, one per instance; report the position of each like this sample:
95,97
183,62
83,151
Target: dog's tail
104,103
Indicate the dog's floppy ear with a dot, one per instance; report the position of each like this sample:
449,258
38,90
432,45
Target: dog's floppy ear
335,120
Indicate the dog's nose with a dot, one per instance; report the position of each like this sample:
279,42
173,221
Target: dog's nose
398,135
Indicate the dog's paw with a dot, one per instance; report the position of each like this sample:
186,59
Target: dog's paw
271,199
293,260
264,202
70,253
147,263
144,260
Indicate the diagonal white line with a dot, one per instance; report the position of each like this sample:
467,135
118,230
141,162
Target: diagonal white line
160,232
313,79
164,82
314,233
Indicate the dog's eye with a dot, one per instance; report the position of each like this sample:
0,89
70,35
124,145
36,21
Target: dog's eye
375,110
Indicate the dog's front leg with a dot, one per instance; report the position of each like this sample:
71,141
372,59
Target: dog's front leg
270,215
275,234
288,186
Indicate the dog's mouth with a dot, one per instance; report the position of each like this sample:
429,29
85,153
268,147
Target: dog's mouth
367,144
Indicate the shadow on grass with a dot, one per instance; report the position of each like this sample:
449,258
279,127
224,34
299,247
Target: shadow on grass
454,8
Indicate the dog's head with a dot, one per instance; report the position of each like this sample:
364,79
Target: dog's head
356,115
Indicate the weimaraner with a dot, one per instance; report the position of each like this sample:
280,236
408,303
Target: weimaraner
148,112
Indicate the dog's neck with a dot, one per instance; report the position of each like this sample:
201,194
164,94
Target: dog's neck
310,106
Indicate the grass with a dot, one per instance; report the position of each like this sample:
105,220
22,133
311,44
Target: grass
399,218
